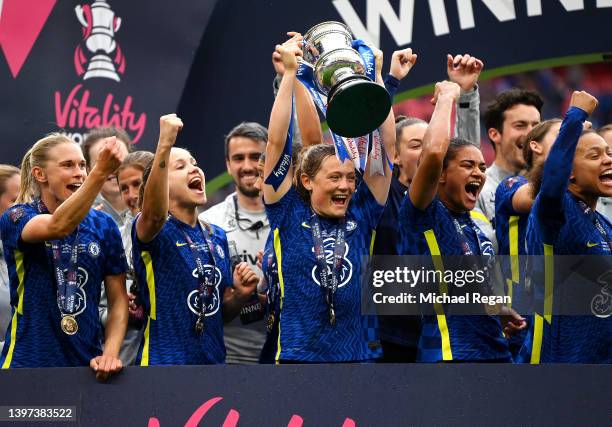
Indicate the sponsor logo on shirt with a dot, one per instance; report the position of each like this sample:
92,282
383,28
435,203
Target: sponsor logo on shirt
81,297
345,273
214,302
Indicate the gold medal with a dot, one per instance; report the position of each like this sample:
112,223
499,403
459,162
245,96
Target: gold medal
270,324
69,325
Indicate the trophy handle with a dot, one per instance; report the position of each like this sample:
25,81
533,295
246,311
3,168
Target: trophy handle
117,23
80,16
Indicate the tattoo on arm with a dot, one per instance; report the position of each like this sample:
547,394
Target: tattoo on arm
162,164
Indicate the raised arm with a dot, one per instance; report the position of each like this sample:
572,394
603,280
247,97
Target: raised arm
155,198
465,70
435,144
280,118
558,165
73,210
402,62
307,117
379,184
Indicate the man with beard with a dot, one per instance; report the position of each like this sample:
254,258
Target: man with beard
508,120
244,220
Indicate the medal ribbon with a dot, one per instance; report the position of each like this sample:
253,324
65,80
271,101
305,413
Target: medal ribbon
328,277
67,284
206,282
465,247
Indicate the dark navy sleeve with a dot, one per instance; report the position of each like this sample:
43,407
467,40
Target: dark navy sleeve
504,194
116,262
558,166
392,85
367,208
12,224
138,246
410,218
278,212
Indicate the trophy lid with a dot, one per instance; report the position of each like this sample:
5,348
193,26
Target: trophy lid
357,107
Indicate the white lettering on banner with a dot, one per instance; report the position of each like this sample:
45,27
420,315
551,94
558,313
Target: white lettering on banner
534,7
438,17
400,26
75,136
283,167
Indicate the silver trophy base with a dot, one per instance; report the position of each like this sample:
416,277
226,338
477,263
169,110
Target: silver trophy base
101,66
356,106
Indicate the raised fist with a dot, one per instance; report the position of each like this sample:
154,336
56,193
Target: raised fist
169,127
110,157
402,62
446,89
290,51
585,101
464,70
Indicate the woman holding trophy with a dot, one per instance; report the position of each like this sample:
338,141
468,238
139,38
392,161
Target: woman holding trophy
322,225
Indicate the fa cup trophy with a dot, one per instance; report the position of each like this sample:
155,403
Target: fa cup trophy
100,25
356,105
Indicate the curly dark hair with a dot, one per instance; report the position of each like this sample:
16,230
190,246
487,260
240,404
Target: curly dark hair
495,114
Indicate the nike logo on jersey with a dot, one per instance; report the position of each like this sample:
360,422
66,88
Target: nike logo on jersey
181,244
591,245
305,225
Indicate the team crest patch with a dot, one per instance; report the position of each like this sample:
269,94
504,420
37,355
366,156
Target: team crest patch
16,214
220,252
94,249
351,225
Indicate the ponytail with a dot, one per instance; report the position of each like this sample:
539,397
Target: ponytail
37,156
27,180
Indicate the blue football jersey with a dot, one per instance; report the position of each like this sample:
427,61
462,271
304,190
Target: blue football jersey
305,330
510,225
270,273
561,224
400,330
167,271
565,338
454,337
34,338
510,230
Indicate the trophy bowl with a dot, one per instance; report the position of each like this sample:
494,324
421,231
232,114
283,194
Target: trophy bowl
355,104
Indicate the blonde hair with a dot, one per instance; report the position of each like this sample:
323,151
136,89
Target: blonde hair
37,156
6,173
